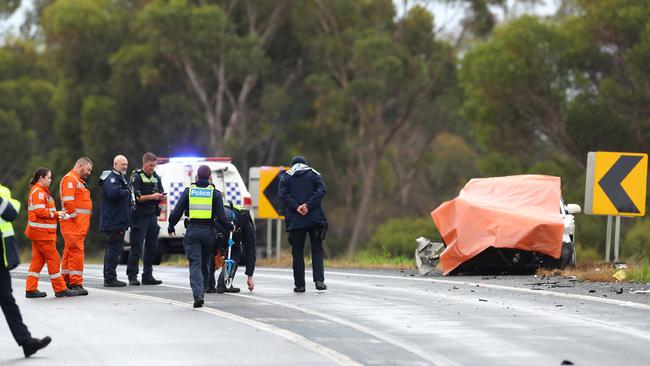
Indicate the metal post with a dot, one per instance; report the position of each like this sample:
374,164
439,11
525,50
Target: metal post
269,233
278,238
617,237
608,242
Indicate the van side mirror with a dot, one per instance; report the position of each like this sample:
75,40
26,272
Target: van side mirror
572,208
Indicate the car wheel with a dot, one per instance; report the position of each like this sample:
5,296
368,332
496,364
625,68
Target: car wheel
568,258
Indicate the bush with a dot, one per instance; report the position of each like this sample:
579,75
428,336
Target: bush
636,243
396,237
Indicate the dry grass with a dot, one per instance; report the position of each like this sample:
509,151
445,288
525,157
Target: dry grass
601,272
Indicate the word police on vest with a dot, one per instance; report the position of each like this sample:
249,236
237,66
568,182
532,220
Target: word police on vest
201,192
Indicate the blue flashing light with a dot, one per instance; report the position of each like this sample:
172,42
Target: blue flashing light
186,159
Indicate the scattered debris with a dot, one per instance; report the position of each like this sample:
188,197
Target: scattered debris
619,291
620,265
484,300
640,292
620,275
566,362
558,305
427,254
454,288
592,291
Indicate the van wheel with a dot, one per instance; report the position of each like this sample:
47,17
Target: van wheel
162,248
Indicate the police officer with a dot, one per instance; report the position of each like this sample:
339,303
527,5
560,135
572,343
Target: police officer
202,203
115,216
148,191
301,190
12,313
242,252
8,234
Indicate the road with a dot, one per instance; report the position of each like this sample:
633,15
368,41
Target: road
366,317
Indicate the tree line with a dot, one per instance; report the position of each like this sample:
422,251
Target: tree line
395,115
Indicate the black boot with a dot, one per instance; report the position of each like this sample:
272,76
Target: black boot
34,294
198,303
133,281
149,280
34,344
210,290
66,293
320,285
299,289
81,291
114,283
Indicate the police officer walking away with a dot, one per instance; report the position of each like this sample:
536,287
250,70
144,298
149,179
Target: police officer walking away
202,203
115,216
148,191
12,313
301,190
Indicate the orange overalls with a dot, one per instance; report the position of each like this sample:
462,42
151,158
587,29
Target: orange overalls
41,230
75,199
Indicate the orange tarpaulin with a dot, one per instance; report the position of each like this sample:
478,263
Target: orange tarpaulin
518,212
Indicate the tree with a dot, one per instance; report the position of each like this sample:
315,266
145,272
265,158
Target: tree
370,73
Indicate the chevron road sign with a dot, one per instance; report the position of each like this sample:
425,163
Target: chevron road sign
616,183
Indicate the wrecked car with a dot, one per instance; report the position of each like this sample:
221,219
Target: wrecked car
514,224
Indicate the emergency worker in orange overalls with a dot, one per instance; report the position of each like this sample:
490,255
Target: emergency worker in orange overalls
75,200
41,230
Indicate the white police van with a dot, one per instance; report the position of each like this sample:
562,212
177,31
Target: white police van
177,174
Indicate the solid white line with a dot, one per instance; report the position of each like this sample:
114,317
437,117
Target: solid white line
309,345
630,304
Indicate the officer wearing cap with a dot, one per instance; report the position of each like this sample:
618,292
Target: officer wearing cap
203,204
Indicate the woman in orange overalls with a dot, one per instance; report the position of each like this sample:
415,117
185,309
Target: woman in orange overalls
41,230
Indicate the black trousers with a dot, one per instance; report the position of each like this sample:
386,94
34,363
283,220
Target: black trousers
144,230
198,245
9,306
297,239
114,247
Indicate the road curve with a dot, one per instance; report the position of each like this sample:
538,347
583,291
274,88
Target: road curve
366,317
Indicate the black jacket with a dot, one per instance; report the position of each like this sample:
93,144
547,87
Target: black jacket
304,186
116,207
7,211
183,207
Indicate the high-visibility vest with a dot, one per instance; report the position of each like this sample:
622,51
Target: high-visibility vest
6,227
201,202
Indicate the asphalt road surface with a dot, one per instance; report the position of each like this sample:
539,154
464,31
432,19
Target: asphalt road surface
365,317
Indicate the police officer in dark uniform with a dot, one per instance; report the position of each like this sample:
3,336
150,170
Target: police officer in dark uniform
12,313
148,191
242,252
115,216
301,190
203,204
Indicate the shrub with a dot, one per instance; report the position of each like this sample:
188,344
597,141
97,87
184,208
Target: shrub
396,237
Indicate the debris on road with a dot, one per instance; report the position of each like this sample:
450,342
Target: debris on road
640,292
592,291
427,254
566,362
484,300
620,275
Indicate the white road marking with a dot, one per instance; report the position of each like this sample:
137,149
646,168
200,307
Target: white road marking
629,304
536,312
333,355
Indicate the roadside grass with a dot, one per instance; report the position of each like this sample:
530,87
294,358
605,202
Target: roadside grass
602,272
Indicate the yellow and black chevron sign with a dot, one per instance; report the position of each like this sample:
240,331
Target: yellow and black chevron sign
616,183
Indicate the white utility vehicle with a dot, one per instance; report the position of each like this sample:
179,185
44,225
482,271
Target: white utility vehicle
178,173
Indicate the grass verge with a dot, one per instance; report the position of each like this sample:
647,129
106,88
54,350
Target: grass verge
602,272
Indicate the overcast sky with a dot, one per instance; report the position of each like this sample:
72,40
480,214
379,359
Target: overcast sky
447,17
